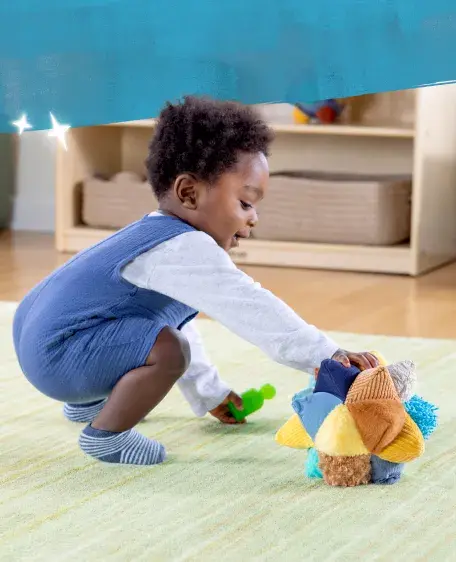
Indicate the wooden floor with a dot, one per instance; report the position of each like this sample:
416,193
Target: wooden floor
351,302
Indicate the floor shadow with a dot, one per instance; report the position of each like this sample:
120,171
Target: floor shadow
210,426
257,427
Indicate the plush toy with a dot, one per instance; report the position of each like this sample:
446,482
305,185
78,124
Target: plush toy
326,111
359,427
253,400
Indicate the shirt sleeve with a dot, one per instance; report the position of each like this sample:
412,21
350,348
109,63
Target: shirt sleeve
193,269
201,385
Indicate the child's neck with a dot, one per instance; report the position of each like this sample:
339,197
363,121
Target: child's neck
165,210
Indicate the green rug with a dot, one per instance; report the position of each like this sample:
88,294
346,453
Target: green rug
226,493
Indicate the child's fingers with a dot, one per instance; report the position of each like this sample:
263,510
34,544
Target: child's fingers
342,358
363,361
228,419
372,359
360,361
236,400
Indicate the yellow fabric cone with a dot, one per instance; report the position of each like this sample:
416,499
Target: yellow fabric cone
408,445
339,436
379,358
293,435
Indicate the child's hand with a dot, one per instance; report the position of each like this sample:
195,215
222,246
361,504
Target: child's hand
222,412
363,360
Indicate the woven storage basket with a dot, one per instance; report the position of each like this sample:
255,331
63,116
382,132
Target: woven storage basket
116,202
336,208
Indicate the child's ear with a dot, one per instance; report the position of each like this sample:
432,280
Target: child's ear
186,190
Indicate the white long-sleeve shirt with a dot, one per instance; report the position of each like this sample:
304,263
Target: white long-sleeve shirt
194,270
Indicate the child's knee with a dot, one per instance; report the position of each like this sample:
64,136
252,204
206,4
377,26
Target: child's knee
171,352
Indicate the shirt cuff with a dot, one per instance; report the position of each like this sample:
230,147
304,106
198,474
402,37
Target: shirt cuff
216,399
203,394
326,351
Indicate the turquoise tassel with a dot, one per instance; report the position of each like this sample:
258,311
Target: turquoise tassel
423,413
312,469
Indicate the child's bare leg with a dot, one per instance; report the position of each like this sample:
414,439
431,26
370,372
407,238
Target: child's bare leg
110,437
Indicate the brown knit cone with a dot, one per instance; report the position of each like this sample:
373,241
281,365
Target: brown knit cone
379,422
345,471
372,384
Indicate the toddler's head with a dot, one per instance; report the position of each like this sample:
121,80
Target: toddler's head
207,164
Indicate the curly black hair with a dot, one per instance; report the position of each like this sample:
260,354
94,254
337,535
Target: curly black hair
203,137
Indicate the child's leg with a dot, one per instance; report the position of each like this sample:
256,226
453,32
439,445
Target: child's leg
111,437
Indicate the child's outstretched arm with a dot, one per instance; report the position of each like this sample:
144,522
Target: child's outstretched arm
193,269
201,385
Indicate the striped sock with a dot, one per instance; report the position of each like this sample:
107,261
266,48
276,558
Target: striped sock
128,447
83,413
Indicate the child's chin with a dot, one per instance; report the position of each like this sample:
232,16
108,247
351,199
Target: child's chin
234,243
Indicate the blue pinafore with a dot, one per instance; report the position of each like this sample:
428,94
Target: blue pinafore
84,327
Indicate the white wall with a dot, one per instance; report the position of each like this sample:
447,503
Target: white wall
35,178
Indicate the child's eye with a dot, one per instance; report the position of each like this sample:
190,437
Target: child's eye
245,206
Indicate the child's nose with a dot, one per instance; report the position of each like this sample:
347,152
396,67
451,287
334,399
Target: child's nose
253,219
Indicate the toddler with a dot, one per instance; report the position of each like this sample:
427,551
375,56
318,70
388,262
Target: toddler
111,332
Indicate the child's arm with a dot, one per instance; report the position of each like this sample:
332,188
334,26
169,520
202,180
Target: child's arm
193,269
201,385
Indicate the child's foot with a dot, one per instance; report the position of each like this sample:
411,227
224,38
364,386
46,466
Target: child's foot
128,447
83,413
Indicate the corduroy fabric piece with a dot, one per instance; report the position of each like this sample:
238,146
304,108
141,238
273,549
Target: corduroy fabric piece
373,383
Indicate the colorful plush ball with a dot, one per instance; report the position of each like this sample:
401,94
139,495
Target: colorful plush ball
359,427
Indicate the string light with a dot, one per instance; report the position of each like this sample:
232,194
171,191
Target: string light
22,124
58,131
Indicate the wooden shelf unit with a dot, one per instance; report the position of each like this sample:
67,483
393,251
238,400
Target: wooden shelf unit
413,132
290,128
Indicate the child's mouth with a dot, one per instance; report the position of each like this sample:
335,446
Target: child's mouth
242,234
235,241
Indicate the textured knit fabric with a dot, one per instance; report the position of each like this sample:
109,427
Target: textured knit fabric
403,375
373,383
82,328
294,435
83,413
128,447
408,445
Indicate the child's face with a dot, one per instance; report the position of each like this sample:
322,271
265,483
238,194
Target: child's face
227,210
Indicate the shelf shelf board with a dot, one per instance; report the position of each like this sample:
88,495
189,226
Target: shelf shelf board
337,130
142,123
375,259
346,130
383,259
